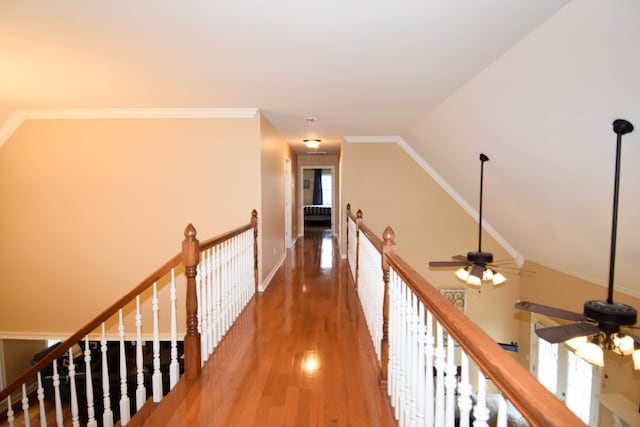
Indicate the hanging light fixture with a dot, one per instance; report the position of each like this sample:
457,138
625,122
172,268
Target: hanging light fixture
604,325
475,268
592,348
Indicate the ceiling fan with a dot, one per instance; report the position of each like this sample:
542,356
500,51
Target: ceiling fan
477,266
600,325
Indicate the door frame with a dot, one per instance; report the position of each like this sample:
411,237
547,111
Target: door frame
333,197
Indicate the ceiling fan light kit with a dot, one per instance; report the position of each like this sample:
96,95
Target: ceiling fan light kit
599,326
475,268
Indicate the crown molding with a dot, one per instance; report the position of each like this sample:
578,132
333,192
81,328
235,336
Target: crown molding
518,258
17,118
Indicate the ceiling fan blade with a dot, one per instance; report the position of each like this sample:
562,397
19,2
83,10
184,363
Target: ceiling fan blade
556,334
477,270
447,263
550,311
460,258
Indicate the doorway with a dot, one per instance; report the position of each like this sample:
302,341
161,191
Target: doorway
317,195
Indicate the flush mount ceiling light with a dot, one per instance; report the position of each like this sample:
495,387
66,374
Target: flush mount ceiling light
312,143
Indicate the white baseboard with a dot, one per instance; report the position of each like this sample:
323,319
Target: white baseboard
272,273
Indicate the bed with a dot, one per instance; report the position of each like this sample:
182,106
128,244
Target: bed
317,215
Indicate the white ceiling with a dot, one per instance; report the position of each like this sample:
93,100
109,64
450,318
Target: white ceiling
361,67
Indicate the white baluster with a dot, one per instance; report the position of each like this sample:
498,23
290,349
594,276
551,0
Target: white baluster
174,367
25,406
480,411
74,396
502,412
397,352
440,366
43,412
156,378
107,414
404,364
422,375
10,417
450,383
216,296
199,311
393,345
141,391
464,390
226,306
124,397
91,415
413,359
56,393
429,413
232,282
206,303
209,305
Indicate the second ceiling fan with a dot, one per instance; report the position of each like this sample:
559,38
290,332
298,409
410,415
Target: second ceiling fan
477,267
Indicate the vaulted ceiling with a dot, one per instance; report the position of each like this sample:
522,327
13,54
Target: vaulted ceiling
534,84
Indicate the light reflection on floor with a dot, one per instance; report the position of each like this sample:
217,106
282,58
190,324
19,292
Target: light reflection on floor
326,251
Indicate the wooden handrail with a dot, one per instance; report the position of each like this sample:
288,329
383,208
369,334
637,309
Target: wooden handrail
539,406
92,325
158,274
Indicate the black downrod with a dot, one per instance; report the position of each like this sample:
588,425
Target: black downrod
483,158
620,127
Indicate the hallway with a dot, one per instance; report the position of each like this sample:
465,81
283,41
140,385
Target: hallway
299,355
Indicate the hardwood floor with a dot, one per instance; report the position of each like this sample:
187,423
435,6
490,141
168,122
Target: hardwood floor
299,355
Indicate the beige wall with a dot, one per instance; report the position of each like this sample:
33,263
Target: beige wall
393,190
551,287
91,207
17,355
274,150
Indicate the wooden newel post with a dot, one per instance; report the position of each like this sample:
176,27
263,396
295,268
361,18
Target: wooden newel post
358,225
254,224
388,247
190,258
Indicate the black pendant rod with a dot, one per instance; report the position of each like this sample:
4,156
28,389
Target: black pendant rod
620,127
483,158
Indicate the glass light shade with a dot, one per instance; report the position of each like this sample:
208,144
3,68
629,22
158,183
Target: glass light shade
592,353
487,274
312,143
498,279
636,359
473,280
576,343
623,345
462,274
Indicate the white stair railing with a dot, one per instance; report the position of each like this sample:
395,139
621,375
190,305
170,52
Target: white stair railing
225,284
428,348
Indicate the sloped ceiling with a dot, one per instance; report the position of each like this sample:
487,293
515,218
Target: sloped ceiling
533,84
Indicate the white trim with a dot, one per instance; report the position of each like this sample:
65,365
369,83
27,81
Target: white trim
518,258
16,119
272,273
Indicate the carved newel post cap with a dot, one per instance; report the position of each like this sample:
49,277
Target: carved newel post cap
190,232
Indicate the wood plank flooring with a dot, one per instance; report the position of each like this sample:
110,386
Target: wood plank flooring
299,355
